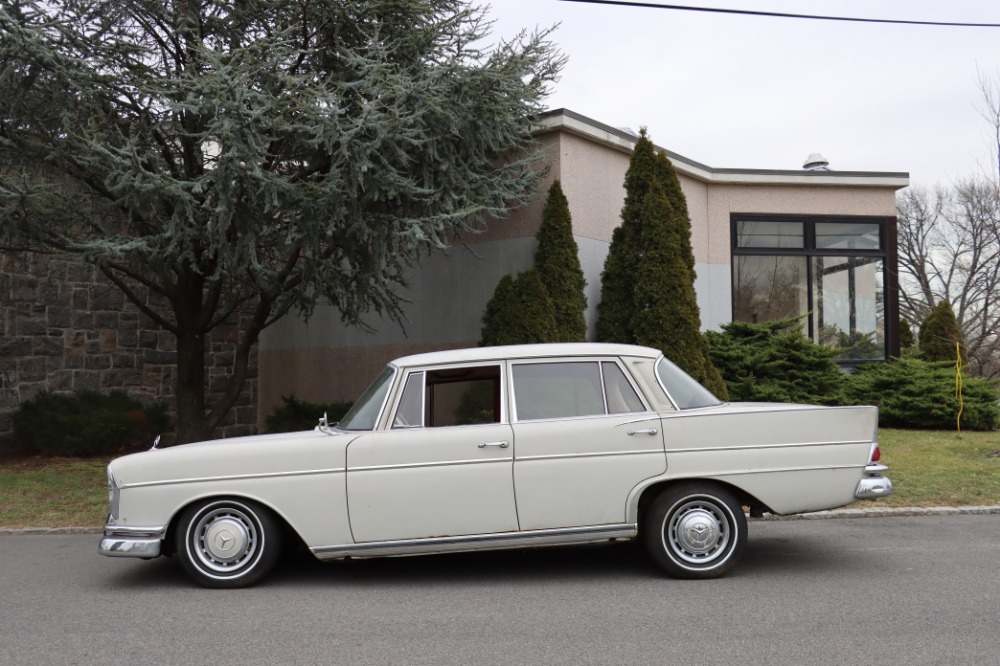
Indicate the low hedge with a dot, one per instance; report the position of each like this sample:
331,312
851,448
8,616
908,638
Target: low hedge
917,394
86,423
297,414
775,362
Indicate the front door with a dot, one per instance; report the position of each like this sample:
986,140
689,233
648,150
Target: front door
444,468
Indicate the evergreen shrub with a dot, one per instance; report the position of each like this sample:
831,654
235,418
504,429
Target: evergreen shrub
520,312
296,415
557,260
939,333
86,423
913,393
775,362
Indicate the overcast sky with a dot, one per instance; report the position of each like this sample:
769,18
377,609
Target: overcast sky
754,92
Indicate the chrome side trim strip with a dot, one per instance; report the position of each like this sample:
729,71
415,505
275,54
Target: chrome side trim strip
773,470
601,454
439,463
735,410
550,537
652,417
752,447
233,477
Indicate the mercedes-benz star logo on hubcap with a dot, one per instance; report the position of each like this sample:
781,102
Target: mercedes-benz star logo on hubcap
225,540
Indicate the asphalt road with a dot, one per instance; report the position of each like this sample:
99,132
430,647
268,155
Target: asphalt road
899,590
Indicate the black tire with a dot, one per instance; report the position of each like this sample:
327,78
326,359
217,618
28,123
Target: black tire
227,543
695,530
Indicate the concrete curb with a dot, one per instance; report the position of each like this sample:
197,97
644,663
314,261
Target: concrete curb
883,512
871,512
50,530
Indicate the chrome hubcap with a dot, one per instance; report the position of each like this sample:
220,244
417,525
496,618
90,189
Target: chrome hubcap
225,539
697,532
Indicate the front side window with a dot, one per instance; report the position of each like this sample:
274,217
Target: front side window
828,272
410,412
450,397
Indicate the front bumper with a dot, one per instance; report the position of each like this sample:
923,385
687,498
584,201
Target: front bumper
142,542
874,483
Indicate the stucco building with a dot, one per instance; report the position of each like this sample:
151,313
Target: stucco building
767,244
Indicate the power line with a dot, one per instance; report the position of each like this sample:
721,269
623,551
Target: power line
748,12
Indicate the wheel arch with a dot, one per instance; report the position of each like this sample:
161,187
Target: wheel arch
643,497
169,538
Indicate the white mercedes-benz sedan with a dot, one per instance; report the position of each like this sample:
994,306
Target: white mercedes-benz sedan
499,447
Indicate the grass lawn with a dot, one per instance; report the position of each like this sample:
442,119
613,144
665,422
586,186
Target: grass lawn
926,468
53,492
938,468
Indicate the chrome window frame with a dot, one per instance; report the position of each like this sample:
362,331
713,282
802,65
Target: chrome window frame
599,360
424,369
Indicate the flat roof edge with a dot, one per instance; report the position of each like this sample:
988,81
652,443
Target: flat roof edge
575,123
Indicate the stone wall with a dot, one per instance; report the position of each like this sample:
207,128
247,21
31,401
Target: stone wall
65,327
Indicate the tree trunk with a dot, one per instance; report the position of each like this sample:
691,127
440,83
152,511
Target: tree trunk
192,423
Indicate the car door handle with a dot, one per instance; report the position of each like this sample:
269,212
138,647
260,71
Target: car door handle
503,445
648,431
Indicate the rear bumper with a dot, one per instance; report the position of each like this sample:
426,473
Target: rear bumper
142,542
874,483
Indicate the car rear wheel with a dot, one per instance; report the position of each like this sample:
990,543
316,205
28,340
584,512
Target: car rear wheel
227,543
695,530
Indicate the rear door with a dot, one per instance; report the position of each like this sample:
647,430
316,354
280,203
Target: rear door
583,439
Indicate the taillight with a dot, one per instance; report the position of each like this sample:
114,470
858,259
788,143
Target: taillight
876,453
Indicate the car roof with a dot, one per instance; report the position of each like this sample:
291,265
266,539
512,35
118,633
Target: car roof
550,350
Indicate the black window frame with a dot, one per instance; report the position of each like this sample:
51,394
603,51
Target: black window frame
888,253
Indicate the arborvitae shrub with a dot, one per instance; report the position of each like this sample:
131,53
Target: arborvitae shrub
520,312
558,262
647,292
86,423
913,393
666,310
775,362
296,415
615,310
939,333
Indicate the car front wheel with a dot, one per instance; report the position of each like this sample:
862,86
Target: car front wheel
695,530
227,543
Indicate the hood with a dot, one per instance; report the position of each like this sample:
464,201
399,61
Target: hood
306,451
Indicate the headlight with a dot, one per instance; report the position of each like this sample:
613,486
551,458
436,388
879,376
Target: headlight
114,494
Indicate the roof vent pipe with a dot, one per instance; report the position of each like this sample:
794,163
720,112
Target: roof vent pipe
816,162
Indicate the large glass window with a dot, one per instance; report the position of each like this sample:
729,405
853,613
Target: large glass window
830,272
768,287
848,307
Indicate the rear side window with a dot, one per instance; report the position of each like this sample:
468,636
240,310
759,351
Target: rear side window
621,397
570,389
557,390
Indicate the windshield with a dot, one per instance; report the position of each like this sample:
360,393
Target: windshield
364,414
684,391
